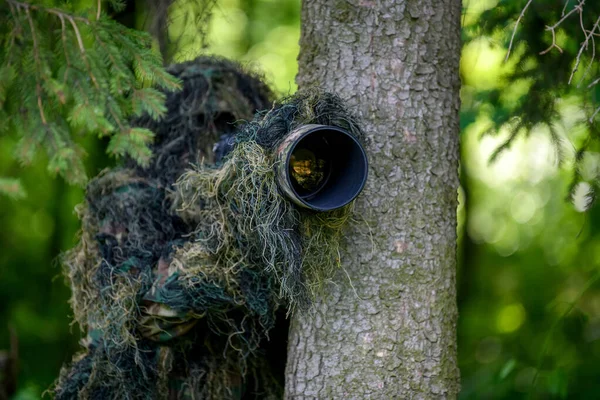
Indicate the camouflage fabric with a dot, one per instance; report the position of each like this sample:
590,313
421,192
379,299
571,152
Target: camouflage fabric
141,342
185,270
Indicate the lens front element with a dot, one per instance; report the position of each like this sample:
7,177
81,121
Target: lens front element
308,169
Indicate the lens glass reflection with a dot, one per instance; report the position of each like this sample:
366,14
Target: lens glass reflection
309,169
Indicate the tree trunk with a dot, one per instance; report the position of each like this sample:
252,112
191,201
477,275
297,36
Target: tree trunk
387,330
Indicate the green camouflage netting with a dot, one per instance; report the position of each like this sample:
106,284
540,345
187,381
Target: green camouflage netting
184,268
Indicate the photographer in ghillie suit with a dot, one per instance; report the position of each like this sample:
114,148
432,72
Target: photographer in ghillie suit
185,266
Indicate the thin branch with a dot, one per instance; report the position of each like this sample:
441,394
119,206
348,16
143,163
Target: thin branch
36,56
116,118
11,46
581,21
578,7
64,42
82,50
595,82
594,114
14,34
552,29
110,56
99,10
71,18
565,7
515,29
589,67
553,45
584,45
77,35
55,11
589,35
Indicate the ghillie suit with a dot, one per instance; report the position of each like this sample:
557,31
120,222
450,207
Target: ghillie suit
181,272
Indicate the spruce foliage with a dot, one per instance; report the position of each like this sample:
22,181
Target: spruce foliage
66,73
555,47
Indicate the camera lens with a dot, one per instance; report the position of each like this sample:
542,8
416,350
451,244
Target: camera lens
309,168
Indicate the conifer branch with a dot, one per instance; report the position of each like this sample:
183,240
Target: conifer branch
594,114
578,7
552,29
50,10
93,88
116,118
584,46
82,51
77,34
594,83
553,45
515,29
61,15
64,43
107,52
36,55
13,13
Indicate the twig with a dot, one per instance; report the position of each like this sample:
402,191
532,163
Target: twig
595,82
552,29
553,43
110,56
77,35
36,55
578,7
50,10
13,33
594,114
64,41
584,45
82,50
11,45
565,8
589,67
117,120
515,29
71,18
99,10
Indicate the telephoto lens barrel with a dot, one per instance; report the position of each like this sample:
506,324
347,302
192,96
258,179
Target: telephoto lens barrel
321,167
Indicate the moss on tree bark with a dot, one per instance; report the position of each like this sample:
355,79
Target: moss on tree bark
391,333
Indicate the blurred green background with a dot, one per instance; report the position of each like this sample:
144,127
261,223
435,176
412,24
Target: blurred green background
529,259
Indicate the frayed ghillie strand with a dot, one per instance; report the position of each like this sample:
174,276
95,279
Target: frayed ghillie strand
217,95
270,127
98,375
186,267
79,267
130,239
242,218
125,229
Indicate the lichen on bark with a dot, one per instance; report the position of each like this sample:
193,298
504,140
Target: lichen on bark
387,329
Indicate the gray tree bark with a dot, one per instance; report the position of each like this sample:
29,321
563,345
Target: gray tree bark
391,332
